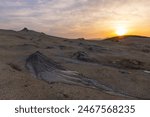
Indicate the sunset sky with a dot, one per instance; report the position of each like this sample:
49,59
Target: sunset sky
77,18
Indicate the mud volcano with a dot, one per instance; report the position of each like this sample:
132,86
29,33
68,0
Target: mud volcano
46,69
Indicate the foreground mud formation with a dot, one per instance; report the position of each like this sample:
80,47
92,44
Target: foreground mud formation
46,69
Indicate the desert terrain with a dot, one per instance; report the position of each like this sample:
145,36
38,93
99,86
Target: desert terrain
120,65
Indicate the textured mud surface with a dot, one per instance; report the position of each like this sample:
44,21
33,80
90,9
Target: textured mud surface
34,65
46,69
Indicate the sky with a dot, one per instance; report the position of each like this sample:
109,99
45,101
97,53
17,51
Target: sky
77,18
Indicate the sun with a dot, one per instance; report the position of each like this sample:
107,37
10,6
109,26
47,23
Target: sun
120,31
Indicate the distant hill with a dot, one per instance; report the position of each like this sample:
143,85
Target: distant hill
119,38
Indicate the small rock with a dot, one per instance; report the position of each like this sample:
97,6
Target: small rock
80,55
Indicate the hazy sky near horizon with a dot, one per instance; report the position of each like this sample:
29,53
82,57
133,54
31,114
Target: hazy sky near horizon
77,18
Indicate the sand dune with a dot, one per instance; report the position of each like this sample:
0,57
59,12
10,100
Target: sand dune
73,69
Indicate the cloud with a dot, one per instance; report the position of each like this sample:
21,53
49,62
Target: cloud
72,18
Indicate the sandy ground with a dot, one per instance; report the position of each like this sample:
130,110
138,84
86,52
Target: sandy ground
123,65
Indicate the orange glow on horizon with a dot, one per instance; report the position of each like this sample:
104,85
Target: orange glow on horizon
121,31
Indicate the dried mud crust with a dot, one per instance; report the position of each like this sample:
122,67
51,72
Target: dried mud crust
48,70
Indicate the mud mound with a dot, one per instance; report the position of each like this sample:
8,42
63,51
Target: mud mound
82,56
25,29
46,69
129,64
